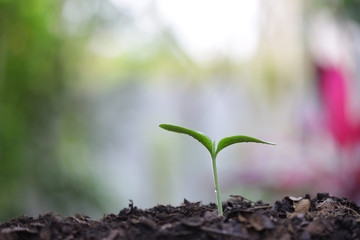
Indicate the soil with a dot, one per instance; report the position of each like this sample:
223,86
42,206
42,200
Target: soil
323,217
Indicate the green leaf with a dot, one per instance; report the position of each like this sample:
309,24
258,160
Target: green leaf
205,140
225,142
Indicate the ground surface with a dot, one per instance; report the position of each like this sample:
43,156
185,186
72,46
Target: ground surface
322,217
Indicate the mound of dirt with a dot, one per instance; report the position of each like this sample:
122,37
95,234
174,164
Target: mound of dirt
323,217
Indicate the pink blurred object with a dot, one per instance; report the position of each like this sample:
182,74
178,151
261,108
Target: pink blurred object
334,97
340,123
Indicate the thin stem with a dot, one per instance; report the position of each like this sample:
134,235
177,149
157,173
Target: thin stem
217,189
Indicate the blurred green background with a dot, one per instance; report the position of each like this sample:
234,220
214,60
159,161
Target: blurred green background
84,85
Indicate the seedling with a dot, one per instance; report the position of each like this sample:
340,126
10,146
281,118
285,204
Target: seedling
213,149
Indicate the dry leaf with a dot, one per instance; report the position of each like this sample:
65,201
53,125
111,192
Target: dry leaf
302,206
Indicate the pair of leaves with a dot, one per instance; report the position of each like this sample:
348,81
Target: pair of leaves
206,141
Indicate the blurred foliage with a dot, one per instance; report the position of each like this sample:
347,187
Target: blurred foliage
351,9
42,130
345,8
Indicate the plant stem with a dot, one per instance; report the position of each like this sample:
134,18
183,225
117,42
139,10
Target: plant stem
217,189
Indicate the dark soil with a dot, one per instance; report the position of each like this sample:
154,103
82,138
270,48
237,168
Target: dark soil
323,217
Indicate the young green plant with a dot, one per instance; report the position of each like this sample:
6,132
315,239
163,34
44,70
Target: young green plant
213,149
